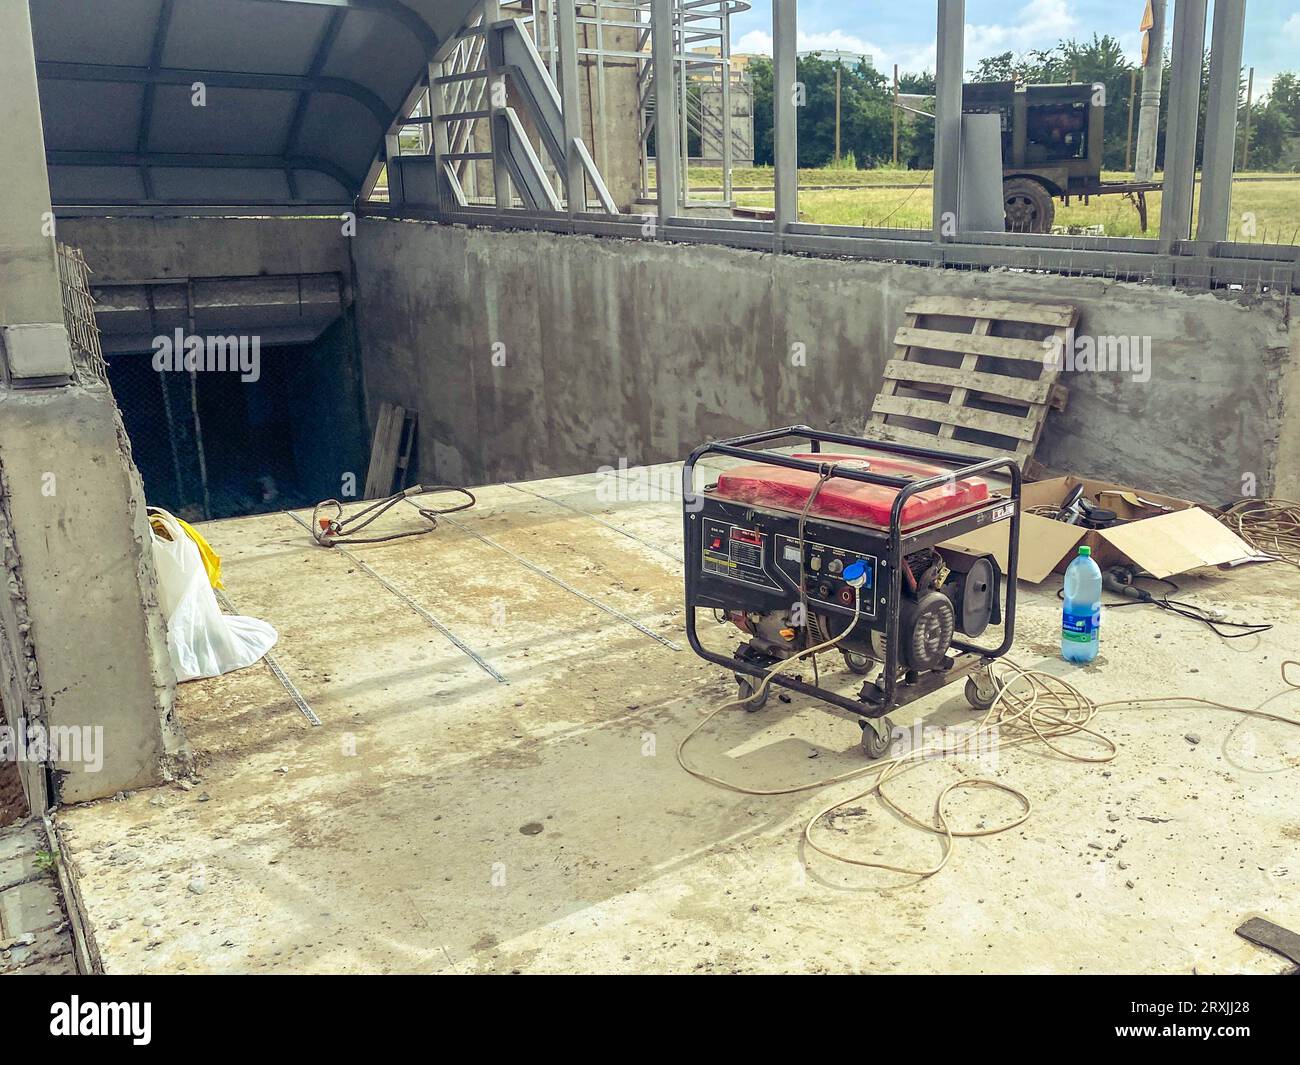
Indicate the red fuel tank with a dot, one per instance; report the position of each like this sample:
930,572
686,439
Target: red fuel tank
848,501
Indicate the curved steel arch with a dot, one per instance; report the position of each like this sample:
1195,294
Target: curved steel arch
90,72
81,128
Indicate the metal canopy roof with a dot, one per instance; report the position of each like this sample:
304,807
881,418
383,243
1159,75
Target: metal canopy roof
297,96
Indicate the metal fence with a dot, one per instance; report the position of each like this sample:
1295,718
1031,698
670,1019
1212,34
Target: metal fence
1181,255
79,316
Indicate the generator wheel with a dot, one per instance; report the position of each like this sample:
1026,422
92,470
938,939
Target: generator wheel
1029,206
858,663
747,687
877,737
981,692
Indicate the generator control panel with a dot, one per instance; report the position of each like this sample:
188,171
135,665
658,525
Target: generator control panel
754,556
737,553
824,568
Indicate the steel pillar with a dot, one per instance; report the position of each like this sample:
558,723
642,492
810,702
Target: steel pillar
1221,119
1188,45
575,190
667,149
785,118
947,117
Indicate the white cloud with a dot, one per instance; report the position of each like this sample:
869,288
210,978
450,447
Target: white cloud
1038,24
1291,27
755,42
759,42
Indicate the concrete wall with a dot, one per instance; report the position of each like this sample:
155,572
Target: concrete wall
285,280
638,350
142,249
81,637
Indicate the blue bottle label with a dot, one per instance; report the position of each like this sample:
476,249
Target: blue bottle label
1080,628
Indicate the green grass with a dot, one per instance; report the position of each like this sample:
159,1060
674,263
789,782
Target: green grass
1273,200
762,177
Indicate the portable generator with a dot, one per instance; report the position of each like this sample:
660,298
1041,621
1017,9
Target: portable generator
815,547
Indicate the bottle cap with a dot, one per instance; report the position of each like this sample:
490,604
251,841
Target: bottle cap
1085,552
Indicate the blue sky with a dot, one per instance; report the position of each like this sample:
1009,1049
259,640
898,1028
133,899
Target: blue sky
904,33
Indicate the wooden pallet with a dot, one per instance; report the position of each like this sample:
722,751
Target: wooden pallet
390,451
970,375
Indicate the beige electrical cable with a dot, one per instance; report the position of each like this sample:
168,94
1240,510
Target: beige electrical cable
779,668
1270,526
1050,709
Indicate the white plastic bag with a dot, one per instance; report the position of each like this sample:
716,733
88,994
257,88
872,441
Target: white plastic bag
203,641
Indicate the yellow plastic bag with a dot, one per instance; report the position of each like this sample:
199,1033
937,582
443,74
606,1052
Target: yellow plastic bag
211,560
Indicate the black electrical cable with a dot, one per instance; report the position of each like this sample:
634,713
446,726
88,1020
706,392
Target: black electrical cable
1142,597
340,530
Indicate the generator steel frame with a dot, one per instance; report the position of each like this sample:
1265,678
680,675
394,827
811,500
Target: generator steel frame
900,543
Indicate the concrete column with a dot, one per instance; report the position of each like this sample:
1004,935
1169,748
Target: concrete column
1144,166
1187,45
785,118
667,148
947,117
1221,119
83,652
31,309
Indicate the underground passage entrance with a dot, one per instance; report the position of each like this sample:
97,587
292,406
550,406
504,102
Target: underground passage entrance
280,427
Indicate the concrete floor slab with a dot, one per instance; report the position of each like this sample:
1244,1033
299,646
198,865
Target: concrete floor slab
531,817
34,935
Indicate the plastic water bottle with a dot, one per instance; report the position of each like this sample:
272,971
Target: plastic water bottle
1081,615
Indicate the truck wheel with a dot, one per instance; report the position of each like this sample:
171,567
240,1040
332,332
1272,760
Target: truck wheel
1029,206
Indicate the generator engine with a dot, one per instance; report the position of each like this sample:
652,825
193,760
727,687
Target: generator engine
770,541
945,592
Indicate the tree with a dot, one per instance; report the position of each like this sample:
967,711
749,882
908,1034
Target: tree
866,112
866,105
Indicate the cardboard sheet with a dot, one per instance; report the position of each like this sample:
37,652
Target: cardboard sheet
1164,544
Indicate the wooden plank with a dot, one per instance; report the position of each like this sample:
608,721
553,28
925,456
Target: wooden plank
383,451
970,344
900,352
1267,934
985,421
952,387
407,436
968,363
900,435
1060,315
1014,388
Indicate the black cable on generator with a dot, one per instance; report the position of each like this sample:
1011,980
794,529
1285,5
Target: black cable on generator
341,530
1115,581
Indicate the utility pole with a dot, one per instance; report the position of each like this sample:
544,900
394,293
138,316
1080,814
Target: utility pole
1245,145
1153,51
895,114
